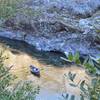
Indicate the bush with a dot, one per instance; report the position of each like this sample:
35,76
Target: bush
88,92
24,90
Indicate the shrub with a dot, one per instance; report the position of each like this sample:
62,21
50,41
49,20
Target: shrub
90,64
24,90
88,92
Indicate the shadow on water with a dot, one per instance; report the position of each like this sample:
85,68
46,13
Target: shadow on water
49,58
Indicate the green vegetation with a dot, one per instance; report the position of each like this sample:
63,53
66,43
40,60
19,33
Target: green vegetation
89,63
74,58
20,91
88,92
8,8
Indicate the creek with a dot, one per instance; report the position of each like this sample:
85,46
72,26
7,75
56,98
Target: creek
52,82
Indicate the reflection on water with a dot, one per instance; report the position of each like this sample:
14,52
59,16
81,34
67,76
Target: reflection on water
52,80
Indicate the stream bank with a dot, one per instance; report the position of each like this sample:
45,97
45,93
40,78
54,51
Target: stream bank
64,26
52,81
42,31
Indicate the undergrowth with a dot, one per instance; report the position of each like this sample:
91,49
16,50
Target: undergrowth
23,90
8,8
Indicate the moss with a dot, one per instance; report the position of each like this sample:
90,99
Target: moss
29,12
8,8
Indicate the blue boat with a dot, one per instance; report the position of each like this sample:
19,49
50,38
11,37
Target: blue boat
35,70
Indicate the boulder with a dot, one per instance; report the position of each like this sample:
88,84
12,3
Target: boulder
57,25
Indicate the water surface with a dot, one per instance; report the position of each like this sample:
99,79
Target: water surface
52,82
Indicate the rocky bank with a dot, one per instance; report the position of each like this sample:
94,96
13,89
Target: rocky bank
57,25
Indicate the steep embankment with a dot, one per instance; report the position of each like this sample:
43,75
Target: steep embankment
60,25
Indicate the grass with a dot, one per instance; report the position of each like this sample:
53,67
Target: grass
8,8
23,90
89,64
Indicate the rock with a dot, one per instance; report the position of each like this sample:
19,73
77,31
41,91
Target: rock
83,8
63,42
96,23
57,25
1,22
85,24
